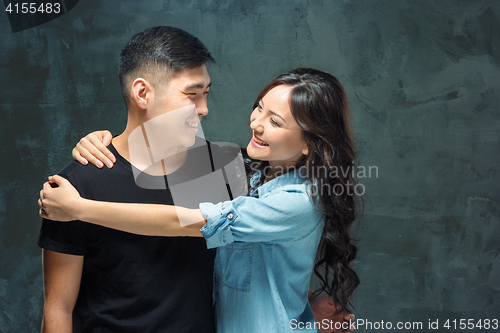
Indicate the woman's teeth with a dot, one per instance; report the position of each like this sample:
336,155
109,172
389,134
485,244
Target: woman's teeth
259,141
193,125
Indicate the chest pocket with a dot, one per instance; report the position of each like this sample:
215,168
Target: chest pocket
235,261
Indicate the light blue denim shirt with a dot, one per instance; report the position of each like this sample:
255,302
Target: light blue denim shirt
267,245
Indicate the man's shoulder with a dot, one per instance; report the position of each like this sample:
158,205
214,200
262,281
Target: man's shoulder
82,176
73,168
76,170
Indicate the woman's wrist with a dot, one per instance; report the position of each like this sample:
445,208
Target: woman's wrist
82,209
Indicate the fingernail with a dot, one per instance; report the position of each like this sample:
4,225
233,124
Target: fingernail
109,165
99,164
113,159
106,142
85,162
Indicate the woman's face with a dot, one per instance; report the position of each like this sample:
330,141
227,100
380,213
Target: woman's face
277,137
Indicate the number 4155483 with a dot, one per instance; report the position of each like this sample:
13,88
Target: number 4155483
32,8
471,324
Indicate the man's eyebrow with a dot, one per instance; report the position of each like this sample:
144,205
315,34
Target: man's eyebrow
196,85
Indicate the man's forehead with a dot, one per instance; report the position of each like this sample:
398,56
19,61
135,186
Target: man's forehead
197,77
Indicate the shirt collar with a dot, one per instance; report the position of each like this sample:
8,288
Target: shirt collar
289,178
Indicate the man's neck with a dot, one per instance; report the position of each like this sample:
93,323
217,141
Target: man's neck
174,156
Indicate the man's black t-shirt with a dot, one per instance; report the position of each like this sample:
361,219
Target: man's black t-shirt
132,283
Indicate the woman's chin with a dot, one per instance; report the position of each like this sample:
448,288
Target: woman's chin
253,152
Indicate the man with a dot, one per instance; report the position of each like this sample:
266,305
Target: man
102,280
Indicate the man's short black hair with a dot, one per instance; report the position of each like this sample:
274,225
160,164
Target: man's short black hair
160,51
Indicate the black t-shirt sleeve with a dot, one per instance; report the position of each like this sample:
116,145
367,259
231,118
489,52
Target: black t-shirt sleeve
64,237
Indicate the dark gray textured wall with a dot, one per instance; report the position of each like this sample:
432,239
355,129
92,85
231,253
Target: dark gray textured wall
423,78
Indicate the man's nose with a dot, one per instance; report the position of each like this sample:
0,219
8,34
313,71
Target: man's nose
202,108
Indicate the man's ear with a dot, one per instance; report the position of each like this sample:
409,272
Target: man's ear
141,92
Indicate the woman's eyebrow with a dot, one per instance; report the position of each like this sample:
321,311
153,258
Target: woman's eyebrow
277,115
272,112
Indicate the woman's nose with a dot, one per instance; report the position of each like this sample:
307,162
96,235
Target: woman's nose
255,122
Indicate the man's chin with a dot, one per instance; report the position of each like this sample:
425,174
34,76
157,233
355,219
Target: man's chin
188,142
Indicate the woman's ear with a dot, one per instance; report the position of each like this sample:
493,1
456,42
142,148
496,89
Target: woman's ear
305,149
141,93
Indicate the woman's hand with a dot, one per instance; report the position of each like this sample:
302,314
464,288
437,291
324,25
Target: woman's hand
92,148
61,203
328,314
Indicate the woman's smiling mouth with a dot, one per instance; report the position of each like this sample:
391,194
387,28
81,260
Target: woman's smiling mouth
258,142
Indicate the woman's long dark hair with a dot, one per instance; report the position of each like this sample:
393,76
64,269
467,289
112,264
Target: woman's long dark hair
318,103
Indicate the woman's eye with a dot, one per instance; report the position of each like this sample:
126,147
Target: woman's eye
274,123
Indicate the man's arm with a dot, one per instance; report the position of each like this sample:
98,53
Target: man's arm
62,274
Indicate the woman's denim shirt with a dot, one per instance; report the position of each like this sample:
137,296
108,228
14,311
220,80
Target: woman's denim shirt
267,244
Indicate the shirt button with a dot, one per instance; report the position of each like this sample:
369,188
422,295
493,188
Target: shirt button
230,215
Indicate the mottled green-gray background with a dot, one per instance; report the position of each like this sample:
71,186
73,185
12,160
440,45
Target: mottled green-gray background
423,79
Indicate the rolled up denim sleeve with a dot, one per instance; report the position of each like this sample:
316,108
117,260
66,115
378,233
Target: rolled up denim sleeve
280,216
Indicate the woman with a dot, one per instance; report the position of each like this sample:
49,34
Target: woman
267,242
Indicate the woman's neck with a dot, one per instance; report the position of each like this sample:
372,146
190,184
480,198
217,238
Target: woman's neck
274,170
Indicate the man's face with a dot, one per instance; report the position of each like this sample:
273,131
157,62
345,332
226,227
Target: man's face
181,104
